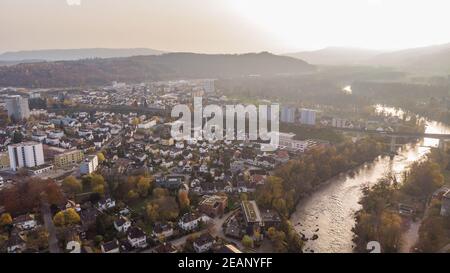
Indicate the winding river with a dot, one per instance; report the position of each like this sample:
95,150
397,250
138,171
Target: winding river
329,212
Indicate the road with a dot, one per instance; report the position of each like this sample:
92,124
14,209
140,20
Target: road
214,227
50,227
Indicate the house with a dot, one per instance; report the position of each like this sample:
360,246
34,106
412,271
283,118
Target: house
136,237
213,205
110,247
15,244
25,222
445,207
203,243
191,221
162,230
106,204
122,224
270,218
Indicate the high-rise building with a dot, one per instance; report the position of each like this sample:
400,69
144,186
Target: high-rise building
17,107
208,86
288,114
25,155
308,116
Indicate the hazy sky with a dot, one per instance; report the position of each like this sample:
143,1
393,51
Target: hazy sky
223,25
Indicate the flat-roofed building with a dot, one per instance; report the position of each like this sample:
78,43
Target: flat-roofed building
25,155
213,205
252,216
68,158
18,107
89,165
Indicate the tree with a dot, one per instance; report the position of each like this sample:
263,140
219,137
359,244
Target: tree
17,137
135,121
183,200
159,192
97,179
143,185
67,217
424,178
100,189
5,219
72,185
59,219
152,212
247,241
132,195
101,157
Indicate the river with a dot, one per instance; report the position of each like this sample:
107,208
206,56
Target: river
329,212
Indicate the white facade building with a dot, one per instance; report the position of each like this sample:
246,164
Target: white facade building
25,154
17,107
308,116
89,165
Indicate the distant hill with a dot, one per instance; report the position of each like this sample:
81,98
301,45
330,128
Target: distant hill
430,59
75,54
141,68
336,56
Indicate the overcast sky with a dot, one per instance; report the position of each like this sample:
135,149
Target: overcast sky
223,26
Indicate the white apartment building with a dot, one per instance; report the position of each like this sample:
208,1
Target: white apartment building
287,140
308,116
17,107
89,165
25,155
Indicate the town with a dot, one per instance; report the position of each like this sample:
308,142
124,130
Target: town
97,170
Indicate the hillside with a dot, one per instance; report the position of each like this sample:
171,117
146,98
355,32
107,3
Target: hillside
430,59
336,56
142,68
75,54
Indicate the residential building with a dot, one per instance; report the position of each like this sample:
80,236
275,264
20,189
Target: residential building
25,155
208,86
136,237
122,224
89,165
288,114
191,221
162,230
203,243
147,124
252,216
445,207
68,158
18,107
213,205
25,222
308,116
287,140
110,247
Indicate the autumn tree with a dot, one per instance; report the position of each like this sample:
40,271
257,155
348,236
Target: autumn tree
143,185
152,212
183,200
66,217
101,157
72,185
247,241
5,219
